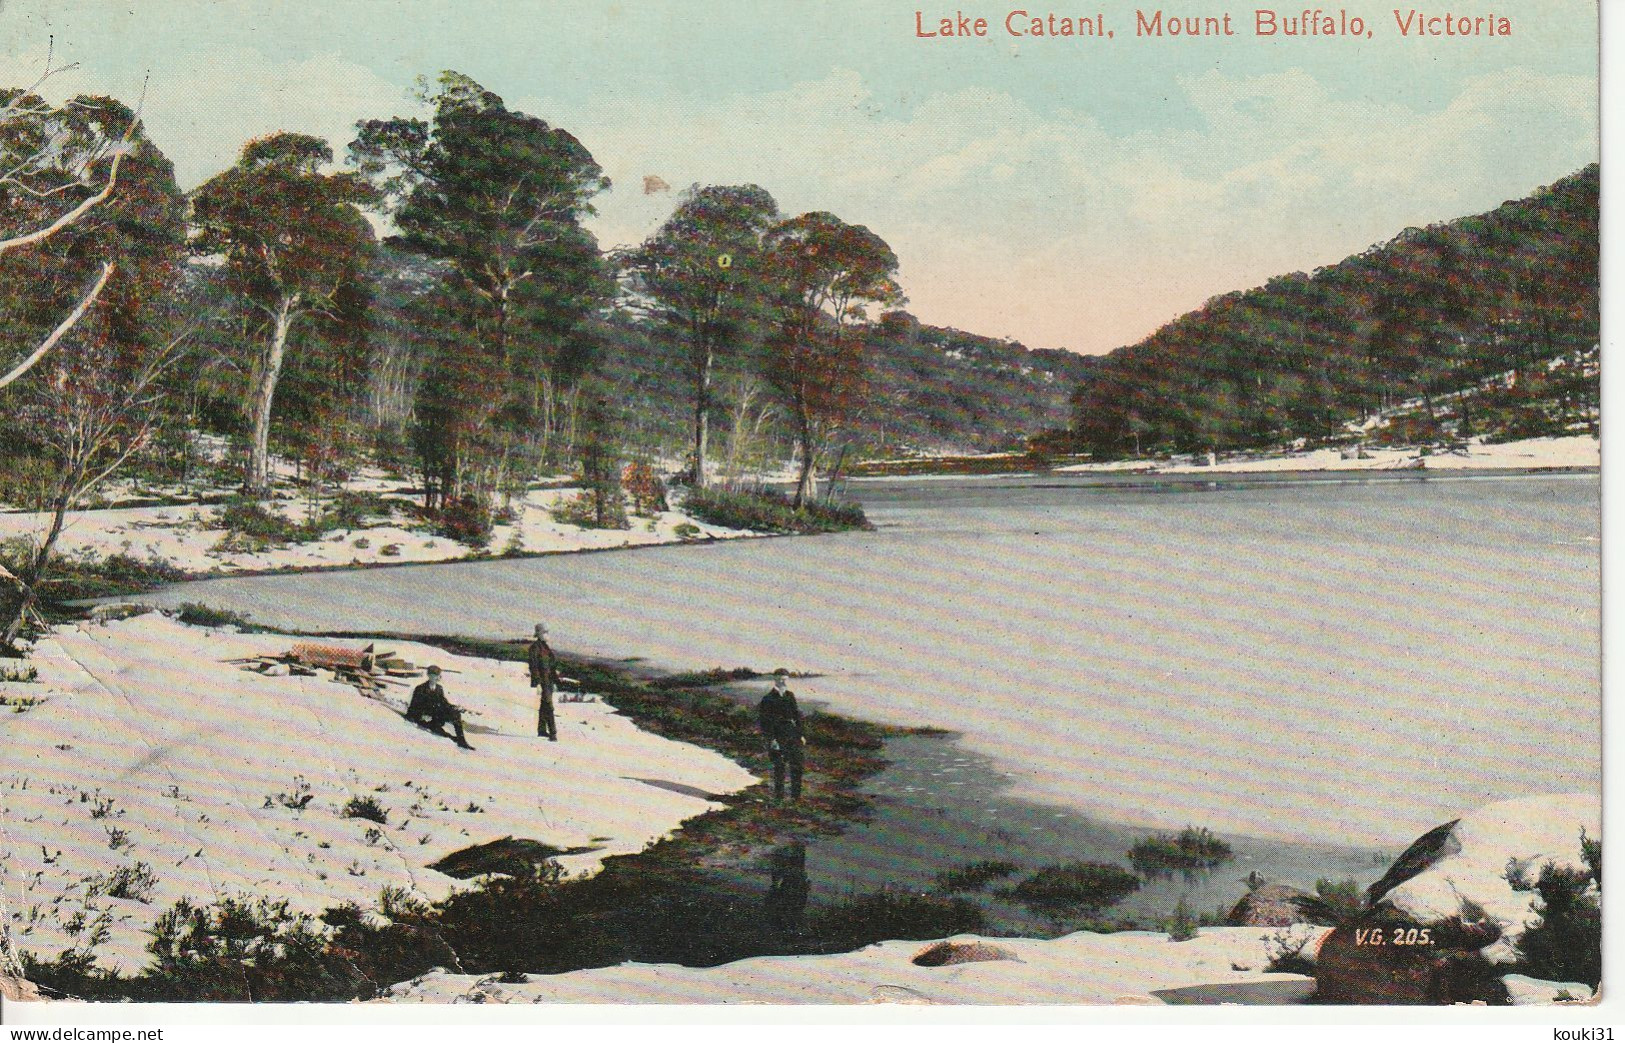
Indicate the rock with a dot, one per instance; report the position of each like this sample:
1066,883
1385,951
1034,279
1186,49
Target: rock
1273,905
1468,864
948,954
1445,916
1385,957
19,990
1532,992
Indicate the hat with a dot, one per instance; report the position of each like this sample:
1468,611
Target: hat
781,672
434,671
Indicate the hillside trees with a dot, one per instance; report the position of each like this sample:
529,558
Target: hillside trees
704,271
827,273
86,408
496,197
294,245
1429,314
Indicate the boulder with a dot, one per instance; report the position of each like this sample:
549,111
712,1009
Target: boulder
18,990
1445,918
1273,905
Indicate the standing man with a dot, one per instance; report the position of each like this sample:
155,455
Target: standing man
781,725
431,709
544,674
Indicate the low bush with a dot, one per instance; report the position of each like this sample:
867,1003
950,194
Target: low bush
582,510
973,877
1565,944
368,808
893,913
644,486
467,519
133,882
1074,886
251,526
86,574
1191,849
197,614
1181,925
766,510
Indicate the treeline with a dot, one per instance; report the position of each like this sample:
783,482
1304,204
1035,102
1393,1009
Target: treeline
1485,301
474,347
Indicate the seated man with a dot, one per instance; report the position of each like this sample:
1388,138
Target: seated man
431,709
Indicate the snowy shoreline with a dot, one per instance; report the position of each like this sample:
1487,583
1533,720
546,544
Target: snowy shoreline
144,752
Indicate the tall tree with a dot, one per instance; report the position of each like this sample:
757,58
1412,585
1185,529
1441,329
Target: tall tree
827,273
58,165
703,269
294,243
498,197
87,408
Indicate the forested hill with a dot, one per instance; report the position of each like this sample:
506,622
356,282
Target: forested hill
930,388
1494,297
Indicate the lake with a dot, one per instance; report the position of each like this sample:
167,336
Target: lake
1336,661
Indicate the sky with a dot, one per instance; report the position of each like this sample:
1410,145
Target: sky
1072,193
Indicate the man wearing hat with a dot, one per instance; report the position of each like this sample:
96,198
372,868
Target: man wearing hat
544,674
781,724
431,709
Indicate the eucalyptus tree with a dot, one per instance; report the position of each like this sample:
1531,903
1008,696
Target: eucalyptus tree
497,197
59,165
703,271
294,244
81,411
826,273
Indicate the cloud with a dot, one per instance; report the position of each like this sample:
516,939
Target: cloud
1043,225
1047,227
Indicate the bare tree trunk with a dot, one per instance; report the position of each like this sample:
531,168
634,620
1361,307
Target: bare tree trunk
29,583
702,403
257,480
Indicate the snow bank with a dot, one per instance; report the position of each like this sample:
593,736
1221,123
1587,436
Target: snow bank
147,747
1570,451
1124,968
188,536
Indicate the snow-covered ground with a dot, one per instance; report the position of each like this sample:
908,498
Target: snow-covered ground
1123,968
141,744
1569,451
189,536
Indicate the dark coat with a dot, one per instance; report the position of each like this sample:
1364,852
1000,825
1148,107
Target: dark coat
780,717
429,701
544,668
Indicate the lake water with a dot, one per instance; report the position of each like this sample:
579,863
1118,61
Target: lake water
1340,662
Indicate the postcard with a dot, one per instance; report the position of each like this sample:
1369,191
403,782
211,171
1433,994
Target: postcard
551,503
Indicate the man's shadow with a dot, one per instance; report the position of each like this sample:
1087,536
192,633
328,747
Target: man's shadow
787,889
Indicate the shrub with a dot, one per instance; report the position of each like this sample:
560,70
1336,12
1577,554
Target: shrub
582,510
1565,943
196,614
766,510
892,913
687,531
1074,886
86,574
1181,925
133,882
18,674
643,485
1339,901
973,877
238,950
1190,849
368,808
467,519
252,526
